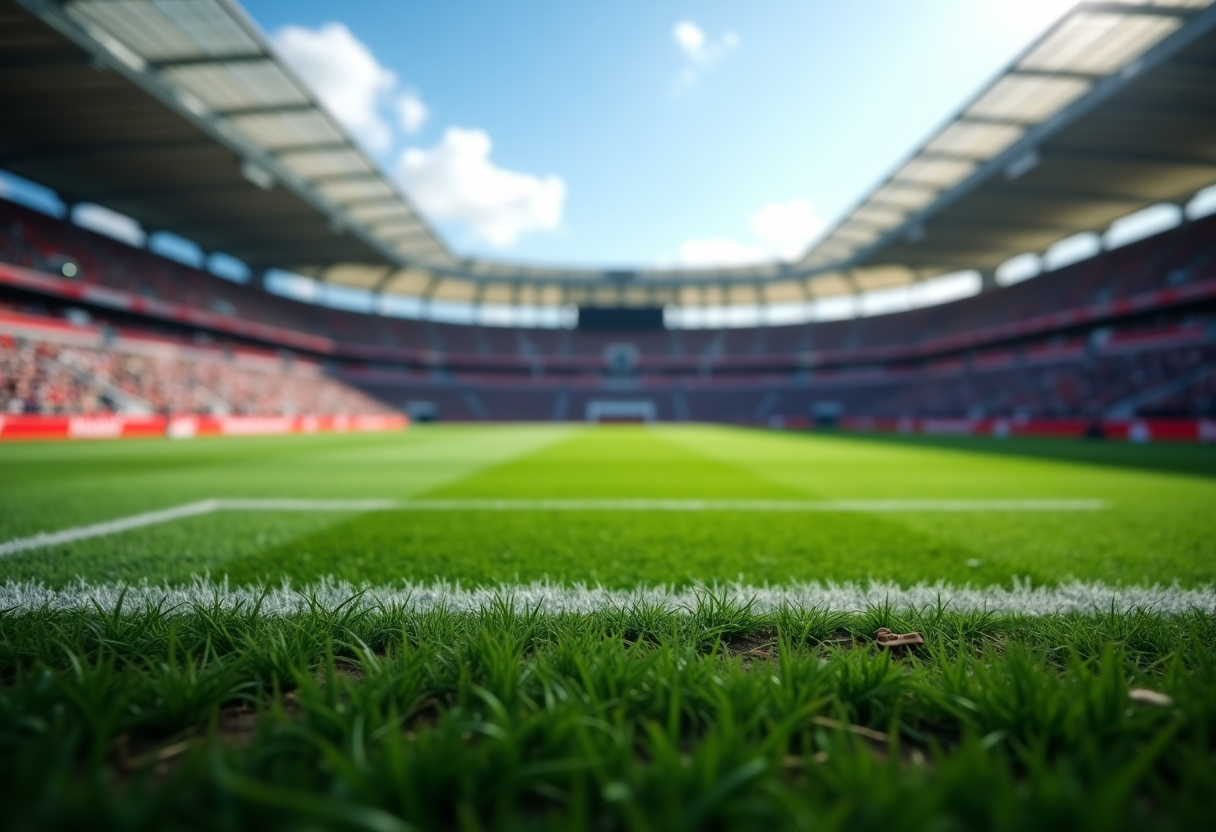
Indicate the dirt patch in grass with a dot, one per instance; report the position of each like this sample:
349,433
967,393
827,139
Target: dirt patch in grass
158,757
759,645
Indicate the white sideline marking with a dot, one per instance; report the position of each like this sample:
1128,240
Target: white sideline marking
289,504
122,524
1069,597
152,518
754,505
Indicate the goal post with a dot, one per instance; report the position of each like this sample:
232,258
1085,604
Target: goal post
618,410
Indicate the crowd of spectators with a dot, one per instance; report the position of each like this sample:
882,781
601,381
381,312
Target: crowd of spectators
1155,382
1197,397
1172,382
45,377
1183,255
36,241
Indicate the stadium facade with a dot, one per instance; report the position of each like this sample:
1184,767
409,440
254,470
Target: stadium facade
219,142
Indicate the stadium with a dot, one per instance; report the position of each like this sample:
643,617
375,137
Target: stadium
336,525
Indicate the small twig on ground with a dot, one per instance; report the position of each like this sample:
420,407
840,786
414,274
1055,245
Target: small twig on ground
886,638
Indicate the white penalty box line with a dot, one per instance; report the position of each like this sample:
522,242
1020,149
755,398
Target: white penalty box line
202,507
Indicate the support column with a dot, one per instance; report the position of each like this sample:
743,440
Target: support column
988,280
855,293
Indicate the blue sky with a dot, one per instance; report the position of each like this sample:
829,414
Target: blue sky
643,133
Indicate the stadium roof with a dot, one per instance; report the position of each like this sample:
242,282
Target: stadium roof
179,114
216,139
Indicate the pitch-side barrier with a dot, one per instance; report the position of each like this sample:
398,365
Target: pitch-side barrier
28,426
1131,430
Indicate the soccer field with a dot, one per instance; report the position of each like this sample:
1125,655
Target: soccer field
606,627
618,506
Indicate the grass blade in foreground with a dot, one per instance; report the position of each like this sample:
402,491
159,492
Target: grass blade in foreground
716,716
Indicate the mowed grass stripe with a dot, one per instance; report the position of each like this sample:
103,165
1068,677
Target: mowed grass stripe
631,463
874,466
628,549
46,486
1159,529
151,518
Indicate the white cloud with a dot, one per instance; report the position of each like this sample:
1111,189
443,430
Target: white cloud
110,223
690,38
787,228
720,251
412,112
700,53
783,230
355,87
456,180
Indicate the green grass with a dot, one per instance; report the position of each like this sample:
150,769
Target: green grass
626,719
717,716
1169,457
1159,527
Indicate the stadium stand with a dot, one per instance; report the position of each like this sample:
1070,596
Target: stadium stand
76,371
1090,387
45,244
1130,331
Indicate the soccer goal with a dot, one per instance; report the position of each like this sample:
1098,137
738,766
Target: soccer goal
637,410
